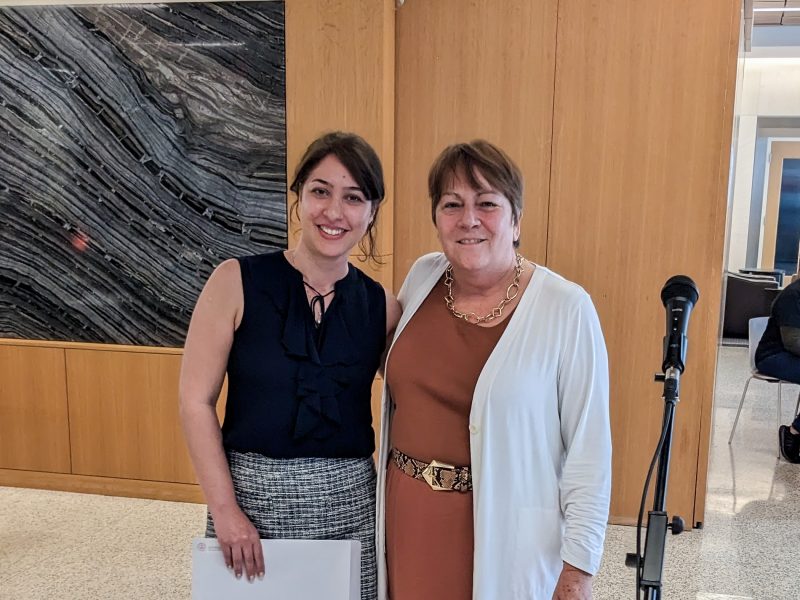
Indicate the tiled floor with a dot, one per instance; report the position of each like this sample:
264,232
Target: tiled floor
57,546
748,546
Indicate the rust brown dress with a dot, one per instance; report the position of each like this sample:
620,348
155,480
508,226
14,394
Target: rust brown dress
432,372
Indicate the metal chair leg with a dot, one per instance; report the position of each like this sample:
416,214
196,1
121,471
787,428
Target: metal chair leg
738,412
780,414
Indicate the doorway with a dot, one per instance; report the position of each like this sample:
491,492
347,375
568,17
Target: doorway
781,223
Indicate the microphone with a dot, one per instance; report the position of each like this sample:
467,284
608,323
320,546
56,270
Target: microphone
679,295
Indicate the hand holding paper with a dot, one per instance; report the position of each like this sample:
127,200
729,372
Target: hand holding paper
239,542
299,570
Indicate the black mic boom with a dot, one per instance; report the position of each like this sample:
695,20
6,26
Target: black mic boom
679,295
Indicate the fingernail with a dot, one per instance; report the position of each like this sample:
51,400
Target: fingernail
261,575
251,578
238,576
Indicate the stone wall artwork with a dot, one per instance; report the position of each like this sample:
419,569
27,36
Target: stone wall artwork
140,146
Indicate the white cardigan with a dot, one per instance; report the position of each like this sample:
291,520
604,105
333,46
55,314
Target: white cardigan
540,440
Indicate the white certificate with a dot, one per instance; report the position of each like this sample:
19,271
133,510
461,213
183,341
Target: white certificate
293,570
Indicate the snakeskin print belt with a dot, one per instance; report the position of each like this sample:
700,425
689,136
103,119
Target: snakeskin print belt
440,476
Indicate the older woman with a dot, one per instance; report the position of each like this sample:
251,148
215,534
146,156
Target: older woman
300,334
495,454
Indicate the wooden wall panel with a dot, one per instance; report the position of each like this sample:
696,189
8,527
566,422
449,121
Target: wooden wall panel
642,122
466,70
124,416
106,486
340,76
34,432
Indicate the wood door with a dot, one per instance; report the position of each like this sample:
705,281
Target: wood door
779,151
642,131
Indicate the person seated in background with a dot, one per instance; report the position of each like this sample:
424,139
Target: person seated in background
778,355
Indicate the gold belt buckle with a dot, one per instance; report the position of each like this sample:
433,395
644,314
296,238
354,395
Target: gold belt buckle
427,475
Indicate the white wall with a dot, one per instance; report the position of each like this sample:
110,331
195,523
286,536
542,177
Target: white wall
771,88
742,186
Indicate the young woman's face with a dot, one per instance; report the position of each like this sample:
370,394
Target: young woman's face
334,211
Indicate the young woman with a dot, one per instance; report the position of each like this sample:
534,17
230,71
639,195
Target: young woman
300,334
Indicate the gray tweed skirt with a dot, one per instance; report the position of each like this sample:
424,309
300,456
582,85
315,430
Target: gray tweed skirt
309,498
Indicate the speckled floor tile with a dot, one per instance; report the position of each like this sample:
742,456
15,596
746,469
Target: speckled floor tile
60,546
56,545
747,548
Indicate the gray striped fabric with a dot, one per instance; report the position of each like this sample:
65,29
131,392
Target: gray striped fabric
309,498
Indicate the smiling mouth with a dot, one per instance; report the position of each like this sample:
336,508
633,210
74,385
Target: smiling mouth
332,231
471,242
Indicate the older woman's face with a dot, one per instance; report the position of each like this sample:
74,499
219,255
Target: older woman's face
475,226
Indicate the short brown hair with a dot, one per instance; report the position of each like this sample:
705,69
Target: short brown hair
363,164
482,157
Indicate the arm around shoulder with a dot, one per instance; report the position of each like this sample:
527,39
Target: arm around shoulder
393,313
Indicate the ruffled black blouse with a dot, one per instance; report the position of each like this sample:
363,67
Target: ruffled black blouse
295,390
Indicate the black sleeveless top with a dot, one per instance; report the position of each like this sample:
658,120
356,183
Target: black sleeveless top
295,390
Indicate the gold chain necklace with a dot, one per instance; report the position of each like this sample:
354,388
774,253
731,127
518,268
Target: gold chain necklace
497,311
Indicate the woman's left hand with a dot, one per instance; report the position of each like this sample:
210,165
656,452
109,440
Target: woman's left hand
573,584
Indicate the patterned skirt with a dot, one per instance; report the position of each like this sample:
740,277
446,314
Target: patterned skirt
309,498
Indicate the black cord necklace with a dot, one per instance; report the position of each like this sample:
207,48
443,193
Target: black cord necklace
317,301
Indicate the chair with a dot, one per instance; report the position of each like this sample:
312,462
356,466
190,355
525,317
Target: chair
746,297
756,328
776,274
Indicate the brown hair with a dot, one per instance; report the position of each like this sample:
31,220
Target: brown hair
477,156
363,164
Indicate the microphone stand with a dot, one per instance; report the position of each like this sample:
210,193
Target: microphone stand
650,564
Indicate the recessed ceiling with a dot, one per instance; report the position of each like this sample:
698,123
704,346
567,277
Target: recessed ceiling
776,12
771,28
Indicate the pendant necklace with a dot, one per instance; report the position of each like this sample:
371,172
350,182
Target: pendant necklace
317,302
